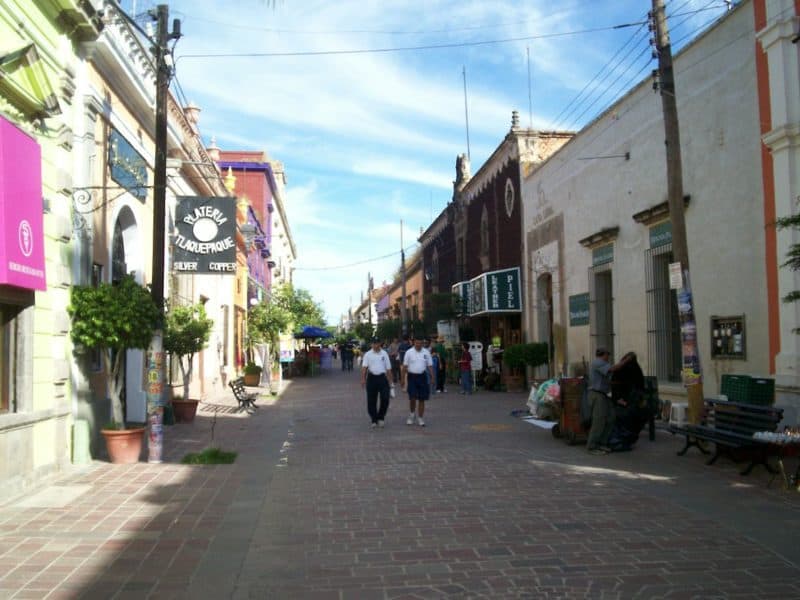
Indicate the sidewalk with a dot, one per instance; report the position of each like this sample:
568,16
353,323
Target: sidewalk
478,504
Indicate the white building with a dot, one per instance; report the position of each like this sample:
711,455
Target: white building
597,238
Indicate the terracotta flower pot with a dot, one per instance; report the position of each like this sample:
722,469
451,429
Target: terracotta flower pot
124,445
184,410
252,379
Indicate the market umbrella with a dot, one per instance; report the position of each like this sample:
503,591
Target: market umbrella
312,332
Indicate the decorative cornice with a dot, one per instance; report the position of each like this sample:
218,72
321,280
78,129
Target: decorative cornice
658,212
604,236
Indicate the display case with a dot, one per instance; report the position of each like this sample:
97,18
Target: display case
728,339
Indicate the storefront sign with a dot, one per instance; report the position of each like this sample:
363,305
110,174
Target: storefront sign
578,310
205,241
127,166
661,234
22,242
493,292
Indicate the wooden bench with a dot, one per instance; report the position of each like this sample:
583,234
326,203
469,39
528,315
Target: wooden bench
730,426
247,400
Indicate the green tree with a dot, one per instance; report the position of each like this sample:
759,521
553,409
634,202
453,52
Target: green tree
186,332
113,318
300,304
265,323
792,256
364,331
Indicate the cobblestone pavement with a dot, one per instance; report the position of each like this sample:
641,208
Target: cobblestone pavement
478,504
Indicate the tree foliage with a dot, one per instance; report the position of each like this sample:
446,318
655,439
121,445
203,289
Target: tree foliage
300,305
792,256
113,318
186,332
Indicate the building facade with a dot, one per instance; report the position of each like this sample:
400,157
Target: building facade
41,45
597,242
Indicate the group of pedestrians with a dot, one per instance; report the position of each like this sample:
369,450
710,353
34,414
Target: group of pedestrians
413,367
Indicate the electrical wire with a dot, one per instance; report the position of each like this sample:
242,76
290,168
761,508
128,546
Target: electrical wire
406,48
356,264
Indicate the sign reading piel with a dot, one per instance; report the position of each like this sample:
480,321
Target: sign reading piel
205,238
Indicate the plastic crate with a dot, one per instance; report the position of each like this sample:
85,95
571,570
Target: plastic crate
762,391
735,387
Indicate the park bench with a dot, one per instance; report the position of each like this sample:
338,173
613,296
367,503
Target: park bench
730,426
247,400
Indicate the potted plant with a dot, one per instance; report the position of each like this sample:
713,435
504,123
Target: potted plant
519,356
186,332
252,374
114,318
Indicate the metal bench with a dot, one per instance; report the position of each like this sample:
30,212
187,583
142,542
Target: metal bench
247,400
730,426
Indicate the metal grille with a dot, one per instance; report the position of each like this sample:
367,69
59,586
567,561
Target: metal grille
663,326
601,308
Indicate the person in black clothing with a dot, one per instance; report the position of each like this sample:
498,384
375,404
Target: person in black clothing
632,411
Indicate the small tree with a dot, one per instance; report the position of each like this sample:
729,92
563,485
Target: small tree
265,323
113,318
187,332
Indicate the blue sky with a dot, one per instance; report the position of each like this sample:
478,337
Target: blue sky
368,139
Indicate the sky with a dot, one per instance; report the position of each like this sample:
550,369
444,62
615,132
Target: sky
364,102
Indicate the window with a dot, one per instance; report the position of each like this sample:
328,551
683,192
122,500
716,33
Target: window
601,307
484,233
663,325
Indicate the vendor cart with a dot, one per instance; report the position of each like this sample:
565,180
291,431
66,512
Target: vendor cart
569,426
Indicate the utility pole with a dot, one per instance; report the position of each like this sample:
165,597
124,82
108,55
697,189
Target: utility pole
403,316
692,372
155,353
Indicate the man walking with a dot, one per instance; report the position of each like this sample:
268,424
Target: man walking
376,370
417,371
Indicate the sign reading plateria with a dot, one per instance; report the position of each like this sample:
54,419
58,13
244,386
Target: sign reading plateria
205,236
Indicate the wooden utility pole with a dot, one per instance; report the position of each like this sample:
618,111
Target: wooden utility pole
692,372
403,317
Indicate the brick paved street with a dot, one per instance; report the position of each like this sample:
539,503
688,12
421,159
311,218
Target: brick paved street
478,504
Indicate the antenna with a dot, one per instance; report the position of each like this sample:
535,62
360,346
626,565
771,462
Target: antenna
530,100
466,113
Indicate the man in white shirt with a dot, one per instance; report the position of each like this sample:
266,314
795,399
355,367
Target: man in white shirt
417,371
377,378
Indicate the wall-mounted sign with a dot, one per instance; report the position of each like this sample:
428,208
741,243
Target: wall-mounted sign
603,255
675,276
579,310
128,167
493,292
205,238
22,261
661,234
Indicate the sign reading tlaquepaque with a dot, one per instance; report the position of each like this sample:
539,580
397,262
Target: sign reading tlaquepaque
205,238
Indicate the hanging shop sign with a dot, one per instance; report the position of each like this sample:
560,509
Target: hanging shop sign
494,292
205,238
22,242
128,167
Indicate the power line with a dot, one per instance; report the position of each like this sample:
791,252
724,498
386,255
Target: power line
409,48
355,264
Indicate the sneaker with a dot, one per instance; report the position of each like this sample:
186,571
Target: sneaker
410,420
374,425
597,452
421,422
380,423
606,449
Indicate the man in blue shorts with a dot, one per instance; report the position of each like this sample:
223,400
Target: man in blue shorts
417,371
